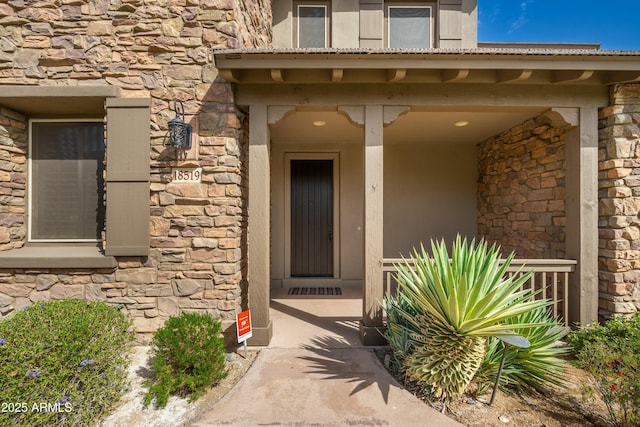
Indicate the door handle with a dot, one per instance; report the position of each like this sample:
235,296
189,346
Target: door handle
330,233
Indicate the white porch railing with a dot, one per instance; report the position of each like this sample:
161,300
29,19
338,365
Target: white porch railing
551,276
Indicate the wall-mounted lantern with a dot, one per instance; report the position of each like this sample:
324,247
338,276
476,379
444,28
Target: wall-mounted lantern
179,131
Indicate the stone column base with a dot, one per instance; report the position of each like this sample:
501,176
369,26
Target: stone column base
372,335
261,336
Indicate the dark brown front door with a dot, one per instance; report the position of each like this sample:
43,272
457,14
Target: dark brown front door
312,218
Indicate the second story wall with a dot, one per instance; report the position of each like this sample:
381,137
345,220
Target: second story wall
452,24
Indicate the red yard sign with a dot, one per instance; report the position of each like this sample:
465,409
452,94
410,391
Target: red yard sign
243,326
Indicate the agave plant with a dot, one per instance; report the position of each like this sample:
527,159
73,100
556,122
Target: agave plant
399,331
457,302
527,369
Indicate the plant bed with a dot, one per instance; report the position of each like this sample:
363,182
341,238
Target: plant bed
179,410
445,325
556,407
62,363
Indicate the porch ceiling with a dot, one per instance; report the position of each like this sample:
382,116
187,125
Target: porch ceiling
416,126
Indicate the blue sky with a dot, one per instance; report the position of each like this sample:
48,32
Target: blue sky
615,24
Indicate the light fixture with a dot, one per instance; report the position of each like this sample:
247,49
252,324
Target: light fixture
179,131
319,123
461,123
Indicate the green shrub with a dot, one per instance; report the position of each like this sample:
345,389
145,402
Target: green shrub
611,354
527,369
189,356
62,363
448,306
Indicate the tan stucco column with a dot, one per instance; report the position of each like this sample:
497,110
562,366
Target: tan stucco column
582,212
372,292
258,225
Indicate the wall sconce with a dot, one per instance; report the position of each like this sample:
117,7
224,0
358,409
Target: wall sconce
179,131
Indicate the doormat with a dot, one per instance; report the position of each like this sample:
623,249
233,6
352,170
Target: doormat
315,291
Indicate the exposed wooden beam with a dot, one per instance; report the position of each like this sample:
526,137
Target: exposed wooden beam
463,94
613,77
450,76
571,76
512,76
277,75
229,75
336,75
396,74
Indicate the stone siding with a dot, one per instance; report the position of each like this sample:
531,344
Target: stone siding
160,50
619,209
521,190
13,178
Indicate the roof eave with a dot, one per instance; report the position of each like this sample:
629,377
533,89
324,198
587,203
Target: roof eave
508,65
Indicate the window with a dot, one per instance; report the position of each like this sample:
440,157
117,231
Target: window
66,183
409,27
312,25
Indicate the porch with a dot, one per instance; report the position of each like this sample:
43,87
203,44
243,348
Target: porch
383,137
386,198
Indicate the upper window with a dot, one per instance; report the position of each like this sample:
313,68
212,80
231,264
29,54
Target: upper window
409,26
66,183
312,25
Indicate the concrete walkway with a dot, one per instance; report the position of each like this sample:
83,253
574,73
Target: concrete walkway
316,373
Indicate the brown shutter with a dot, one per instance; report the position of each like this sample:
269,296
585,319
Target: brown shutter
371,23
128,146
450,25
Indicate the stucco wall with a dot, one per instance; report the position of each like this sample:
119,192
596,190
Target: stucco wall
161,51
619,208
350,182
521,190
429,193
356,23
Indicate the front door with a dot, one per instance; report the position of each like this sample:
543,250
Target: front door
311,218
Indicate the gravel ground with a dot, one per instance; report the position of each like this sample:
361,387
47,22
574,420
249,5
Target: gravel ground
130,411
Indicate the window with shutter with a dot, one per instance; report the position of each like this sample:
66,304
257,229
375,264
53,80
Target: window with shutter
78,204
66,191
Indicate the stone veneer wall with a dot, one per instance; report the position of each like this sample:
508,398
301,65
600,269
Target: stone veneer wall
13,172
521,190
619,209
159,49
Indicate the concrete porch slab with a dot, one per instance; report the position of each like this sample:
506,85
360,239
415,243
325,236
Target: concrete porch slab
300,321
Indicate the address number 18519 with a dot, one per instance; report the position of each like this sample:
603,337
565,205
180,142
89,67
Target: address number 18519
187,175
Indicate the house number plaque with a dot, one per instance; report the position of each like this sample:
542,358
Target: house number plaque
186,175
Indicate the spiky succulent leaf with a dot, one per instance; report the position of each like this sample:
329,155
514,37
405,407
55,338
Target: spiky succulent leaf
457,301
533,368
448,371
398,329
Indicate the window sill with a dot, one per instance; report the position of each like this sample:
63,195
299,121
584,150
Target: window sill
38,257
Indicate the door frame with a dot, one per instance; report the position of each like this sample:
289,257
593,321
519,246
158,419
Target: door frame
312,281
